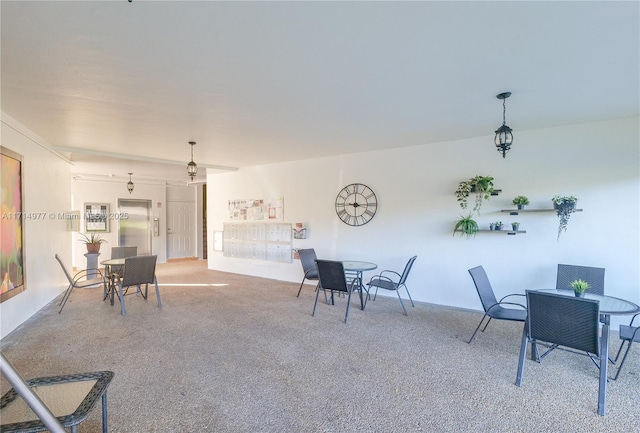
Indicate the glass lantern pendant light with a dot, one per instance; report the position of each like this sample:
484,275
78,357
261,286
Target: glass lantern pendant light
192,167
504,134
130,184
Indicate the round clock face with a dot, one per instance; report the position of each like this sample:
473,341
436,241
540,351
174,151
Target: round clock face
356,204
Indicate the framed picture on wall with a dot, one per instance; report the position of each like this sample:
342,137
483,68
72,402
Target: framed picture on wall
11,228
96,217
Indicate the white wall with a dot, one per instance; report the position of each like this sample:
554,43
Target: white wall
88,191
46,180
597,162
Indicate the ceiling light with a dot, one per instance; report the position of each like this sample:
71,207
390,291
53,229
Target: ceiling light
130,184
192,167
504,135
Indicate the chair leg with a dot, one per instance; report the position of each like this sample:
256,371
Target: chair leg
155,281
402,303
624,357
315,304
300,289
479,324
65,297
409,294
121,296
523,355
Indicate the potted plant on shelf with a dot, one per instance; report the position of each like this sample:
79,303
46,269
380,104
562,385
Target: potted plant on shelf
564,206
521,201
579,287
515,226
466,226
92,242
482,186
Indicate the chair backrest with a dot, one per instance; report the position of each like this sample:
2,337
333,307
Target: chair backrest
483,286
139,270
593,276
331,275
122,252
307,259
565,320
407,269
64,269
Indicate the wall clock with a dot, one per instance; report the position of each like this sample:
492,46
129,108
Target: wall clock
356,204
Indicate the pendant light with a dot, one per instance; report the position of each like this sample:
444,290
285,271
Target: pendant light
130,184
192,167
504,135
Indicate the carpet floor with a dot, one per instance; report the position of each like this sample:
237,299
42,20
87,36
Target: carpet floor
232,353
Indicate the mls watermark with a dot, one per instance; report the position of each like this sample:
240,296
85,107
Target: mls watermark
66,216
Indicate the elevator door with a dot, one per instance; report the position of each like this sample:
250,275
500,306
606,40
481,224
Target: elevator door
135,231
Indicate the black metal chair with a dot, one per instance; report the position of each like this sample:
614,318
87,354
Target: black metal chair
391,280
332,278
568,273
628,334
136,272
563,321
119,253
84,278
308,261
494,309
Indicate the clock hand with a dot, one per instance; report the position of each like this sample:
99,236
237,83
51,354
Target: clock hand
353,204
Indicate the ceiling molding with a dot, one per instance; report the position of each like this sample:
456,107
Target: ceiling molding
138,158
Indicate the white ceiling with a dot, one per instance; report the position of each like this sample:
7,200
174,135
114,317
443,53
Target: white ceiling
262,82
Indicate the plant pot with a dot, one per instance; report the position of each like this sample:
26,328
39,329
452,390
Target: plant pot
515,227
93,248
565,207
579,294
520,206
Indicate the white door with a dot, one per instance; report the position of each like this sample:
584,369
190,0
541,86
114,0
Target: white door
181,229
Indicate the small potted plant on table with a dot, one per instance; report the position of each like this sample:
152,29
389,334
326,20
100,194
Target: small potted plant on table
579,287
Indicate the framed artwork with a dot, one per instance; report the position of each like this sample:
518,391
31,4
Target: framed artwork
11,228
96,217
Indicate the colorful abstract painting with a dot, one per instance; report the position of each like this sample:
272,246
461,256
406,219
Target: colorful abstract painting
11,230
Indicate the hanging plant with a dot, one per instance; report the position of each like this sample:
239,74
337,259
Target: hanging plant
481,186
466,226
564,206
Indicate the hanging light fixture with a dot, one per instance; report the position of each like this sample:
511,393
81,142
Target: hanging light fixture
130,184
192,167
504,135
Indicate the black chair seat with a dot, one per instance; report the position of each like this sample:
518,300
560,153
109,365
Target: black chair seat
502,313
629,333
383,284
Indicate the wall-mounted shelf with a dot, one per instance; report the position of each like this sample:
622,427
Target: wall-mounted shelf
517,211
506,232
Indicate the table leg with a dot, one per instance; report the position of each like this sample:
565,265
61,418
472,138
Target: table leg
604,362
360,289
105,427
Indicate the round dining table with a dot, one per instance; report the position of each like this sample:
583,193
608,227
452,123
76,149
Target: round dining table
609,305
